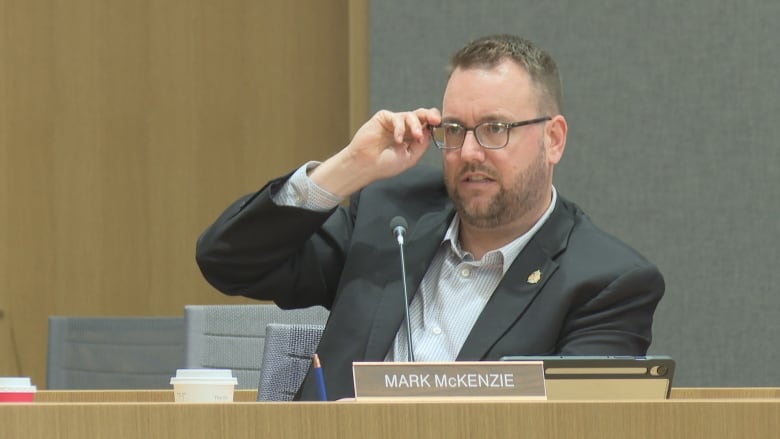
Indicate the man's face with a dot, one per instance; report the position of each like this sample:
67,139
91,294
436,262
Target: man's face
492,188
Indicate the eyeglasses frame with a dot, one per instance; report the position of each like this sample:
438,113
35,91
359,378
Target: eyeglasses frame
507,125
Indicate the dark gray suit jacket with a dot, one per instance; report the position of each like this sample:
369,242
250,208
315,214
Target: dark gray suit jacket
596,295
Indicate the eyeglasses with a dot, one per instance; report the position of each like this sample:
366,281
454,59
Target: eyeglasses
490,135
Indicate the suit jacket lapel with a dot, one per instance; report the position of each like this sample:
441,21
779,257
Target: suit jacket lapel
421,244
519,287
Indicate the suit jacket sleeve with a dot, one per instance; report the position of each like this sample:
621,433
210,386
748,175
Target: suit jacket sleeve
290,255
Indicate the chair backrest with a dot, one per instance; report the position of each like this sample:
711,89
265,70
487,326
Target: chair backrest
286,359
114,352
233,336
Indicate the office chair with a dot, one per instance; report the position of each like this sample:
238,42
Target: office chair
286,360
114,352
233,336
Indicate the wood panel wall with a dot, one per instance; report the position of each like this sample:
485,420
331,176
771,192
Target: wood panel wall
126,126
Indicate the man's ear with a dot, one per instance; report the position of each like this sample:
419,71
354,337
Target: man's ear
555,138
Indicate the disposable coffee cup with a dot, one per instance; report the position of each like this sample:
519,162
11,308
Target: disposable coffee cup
16,389
203,385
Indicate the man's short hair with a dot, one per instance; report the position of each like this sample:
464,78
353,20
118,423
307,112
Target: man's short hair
488,52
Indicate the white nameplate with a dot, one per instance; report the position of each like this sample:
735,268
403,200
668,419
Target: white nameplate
459,379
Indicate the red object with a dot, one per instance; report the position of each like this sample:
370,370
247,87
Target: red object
17,396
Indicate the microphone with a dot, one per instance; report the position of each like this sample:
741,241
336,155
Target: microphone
398,226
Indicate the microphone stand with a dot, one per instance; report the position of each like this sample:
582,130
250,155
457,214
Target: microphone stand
406,300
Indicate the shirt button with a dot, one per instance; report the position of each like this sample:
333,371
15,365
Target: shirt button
436,330
465,272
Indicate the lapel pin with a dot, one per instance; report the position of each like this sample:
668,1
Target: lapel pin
535,277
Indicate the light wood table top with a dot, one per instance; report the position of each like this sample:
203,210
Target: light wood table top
690,414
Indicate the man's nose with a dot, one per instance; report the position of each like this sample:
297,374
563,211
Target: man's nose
471,151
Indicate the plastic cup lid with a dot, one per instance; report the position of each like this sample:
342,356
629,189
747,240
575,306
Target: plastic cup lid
204,376
16,385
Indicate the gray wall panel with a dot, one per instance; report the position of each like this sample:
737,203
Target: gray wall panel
673,146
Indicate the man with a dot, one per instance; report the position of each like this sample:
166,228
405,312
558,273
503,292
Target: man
497,262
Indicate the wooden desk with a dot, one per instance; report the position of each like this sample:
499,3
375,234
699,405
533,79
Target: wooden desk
725,392
752,413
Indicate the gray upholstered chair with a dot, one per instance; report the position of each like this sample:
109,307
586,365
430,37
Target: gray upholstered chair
286,359
233,336
114,352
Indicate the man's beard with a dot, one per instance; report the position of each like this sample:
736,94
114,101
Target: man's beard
527,191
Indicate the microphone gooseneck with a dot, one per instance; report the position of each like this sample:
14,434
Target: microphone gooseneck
398,226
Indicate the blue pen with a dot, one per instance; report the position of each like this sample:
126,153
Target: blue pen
320,379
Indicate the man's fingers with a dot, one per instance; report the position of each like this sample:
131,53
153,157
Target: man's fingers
392,123
428,116
410,125
413,125
417,122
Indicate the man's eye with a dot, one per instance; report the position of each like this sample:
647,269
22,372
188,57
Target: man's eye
496,128
452,130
